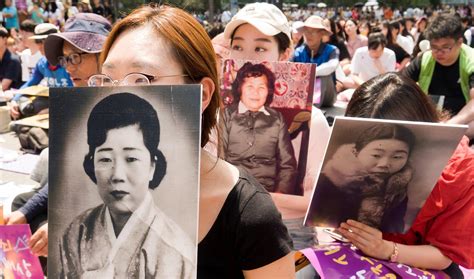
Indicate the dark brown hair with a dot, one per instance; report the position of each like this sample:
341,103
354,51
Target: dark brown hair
189,43
119,111
385,131
444,26
253,70
376,39
392,96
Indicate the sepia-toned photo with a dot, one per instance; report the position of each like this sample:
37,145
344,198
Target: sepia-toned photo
124,190
265,121
380,172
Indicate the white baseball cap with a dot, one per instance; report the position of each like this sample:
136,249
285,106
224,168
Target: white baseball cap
42,31
267,18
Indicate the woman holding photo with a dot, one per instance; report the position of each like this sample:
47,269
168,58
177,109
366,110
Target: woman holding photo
261,32
234,242
441,235
127,236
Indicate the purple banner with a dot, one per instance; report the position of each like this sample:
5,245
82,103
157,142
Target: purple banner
16,259
340,260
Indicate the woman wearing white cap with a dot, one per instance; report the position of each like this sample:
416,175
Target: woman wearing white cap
261,32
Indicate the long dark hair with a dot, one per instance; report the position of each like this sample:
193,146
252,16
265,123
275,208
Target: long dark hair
392,96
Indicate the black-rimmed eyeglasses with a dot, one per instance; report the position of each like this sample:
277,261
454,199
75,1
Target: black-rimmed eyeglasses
132,79
73,59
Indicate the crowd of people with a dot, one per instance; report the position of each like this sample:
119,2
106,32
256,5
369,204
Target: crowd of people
385,63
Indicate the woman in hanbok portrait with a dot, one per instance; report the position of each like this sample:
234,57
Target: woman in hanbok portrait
127,236
255,136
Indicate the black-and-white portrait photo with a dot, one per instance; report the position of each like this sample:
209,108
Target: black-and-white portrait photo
124,182
379,172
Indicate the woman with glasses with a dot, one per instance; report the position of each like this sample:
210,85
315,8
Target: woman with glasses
77,48
448,67
168,46
90,40
127,236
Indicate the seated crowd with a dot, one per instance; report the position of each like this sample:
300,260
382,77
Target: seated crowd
375,68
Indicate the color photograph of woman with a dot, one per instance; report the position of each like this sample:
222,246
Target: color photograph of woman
254,135
277,90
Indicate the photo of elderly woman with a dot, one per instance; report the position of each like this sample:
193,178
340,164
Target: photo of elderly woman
369,173
127,235
254,135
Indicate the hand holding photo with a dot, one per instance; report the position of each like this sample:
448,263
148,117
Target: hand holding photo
381,175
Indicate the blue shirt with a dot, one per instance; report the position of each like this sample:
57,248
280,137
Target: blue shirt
36,205
11,22
325,52
58,77
36,16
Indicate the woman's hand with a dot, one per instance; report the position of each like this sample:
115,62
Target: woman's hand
16,217
39,241
369,240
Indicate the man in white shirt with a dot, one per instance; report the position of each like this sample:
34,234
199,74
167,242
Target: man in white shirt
31,55
372,60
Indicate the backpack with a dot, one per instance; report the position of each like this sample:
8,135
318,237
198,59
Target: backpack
33,139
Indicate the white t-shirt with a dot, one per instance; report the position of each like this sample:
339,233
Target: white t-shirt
468,36
363,65
406,43
28,63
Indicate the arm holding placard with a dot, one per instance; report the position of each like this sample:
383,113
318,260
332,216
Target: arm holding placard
369,240
466,115
443,228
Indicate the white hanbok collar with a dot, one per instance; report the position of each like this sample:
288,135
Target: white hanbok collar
140,217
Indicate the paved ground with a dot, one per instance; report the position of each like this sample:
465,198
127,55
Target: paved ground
12,183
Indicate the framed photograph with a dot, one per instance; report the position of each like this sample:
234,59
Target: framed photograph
380,172
265,121
123,192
